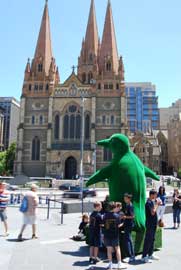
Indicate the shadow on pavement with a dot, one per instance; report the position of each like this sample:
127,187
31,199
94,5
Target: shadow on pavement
81,264
170,228
82,252
136,262
16,240
95,268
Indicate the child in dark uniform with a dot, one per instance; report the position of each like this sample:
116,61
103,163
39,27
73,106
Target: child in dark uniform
82,229
112,222
128,226
95,232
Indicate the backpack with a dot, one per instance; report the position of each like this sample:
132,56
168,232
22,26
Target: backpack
24,205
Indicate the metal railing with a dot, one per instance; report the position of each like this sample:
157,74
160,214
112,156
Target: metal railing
44,201
61,209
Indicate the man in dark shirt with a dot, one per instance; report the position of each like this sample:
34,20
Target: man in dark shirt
95,232
151,225
128,226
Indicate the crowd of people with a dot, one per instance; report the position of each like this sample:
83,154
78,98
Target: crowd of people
105,223
108,218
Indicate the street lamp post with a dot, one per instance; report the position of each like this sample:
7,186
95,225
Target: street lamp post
82,154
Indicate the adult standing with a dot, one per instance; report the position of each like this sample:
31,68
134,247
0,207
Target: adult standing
151,207
30,216
4,198
176,208
161,208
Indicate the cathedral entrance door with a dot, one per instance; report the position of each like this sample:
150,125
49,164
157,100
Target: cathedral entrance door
70,168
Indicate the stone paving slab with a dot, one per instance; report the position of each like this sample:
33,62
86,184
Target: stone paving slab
55,251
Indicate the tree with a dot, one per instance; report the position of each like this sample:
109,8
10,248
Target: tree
9,158
179,173
2,162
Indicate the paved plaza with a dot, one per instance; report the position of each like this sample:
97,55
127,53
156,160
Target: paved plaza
55,251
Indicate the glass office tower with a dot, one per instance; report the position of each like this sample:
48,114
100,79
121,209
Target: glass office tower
142,107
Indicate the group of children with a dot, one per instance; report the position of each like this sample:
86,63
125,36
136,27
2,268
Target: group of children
104,229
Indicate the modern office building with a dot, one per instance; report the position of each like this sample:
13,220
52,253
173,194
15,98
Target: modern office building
1,127
11,113
142,107
170,113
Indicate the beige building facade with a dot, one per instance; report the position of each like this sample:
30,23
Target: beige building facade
53,114
147,148
167,114
174,144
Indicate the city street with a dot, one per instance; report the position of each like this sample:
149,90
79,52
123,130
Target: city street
55,250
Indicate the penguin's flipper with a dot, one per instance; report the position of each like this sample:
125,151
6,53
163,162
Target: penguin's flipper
151,174
100,176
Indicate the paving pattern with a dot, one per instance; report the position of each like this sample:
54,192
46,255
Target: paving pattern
55,251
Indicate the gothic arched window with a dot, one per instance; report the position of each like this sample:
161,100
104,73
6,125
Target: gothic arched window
87,127
108,66
90,76
107,154
33,120
112,119
72,123
99,86
40,67
78,126
66,127
90,57
103,119
36,149
47,87
41,120
72,126
84,77
57,127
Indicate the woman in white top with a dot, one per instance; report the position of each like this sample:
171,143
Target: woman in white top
30,216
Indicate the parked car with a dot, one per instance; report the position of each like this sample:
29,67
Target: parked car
65,186
75,192
12,187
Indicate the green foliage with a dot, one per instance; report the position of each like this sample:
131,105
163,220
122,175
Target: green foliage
10,157
2,162
7,160
179,173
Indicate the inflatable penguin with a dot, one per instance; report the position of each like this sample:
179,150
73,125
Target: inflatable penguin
125,174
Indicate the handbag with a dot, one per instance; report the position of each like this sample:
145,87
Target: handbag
24,205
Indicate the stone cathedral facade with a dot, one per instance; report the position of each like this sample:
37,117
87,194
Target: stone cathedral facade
49,133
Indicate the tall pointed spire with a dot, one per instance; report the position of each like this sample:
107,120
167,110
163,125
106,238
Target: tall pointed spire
88,60
109,50
91,38
44,47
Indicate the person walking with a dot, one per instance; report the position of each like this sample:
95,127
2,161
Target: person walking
176,209
161,208
111,223
128,226
151,207
4,198
30,216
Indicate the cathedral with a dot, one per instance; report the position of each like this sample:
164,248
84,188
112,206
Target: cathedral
56,116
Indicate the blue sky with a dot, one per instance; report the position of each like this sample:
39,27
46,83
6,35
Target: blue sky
148,36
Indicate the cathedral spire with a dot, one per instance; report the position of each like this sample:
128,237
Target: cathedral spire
88,60
109,59
91,38
44,47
